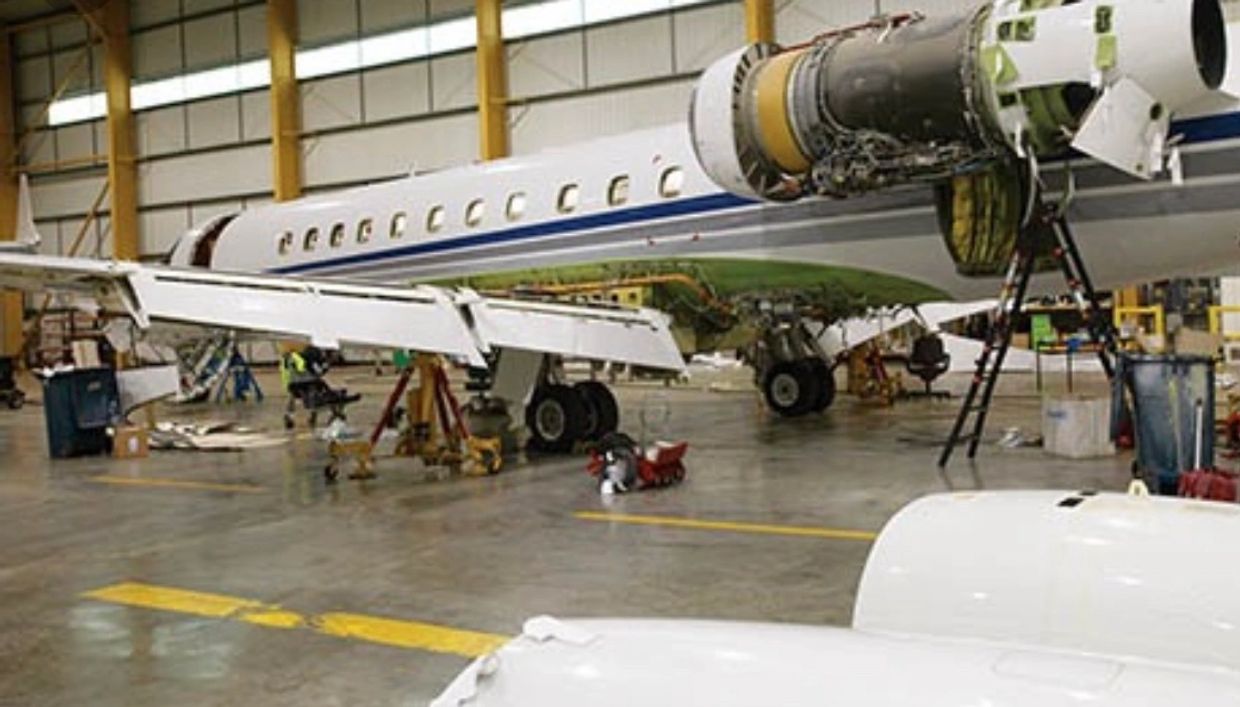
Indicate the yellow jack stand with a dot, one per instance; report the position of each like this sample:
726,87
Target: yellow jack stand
436,431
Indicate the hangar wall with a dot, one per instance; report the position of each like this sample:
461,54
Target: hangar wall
207,156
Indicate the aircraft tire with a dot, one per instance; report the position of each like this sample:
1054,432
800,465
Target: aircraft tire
602,412
791,388
826,385
556,418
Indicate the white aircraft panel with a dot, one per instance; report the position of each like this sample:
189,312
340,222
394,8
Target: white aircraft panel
607,335
210,41
157,52
331,103
160,131
454,82
397,91
629,51
545,65
705,34
214,122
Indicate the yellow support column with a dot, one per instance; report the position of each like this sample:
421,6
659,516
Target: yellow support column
113,20
492,81
10,302
285,101
760,21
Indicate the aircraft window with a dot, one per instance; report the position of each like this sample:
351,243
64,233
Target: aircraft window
618,191
516,206
364,229
434,219
286,242
474,212
398,225
311,240
570,196
337,236
672,182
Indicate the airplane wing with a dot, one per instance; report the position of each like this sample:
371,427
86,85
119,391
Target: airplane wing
330,313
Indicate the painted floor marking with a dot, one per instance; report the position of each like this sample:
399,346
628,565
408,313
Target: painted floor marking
174,484
729,526
359,627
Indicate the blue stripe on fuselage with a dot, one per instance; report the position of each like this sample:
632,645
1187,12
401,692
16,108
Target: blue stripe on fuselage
1196,130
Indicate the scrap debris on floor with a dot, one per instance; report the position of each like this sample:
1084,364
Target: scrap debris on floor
214,436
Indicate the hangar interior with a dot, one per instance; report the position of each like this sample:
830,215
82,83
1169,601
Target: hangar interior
241,572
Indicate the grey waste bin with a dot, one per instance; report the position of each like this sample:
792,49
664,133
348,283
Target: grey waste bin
1167,393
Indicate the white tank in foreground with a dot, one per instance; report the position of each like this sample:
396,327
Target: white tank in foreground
1018,599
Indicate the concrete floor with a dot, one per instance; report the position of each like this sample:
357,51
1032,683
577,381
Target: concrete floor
479,554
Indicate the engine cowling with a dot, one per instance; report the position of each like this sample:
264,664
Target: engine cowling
905,98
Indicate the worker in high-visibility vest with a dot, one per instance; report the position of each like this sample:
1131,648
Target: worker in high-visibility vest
300,372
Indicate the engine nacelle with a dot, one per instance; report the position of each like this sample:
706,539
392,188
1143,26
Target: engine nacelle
909,99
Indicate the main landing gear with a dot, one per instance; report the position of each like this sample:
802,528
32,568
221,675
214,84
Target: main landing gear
559,416
790,367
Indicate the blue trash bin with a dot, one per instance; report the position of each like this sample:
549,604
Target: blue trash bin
79,406
1173,415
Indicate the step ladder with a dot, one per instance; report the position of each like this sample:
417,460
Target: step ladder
1047,233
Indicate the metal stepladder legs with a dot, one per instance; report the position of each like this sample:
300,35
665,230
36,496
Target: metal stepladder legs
1048,226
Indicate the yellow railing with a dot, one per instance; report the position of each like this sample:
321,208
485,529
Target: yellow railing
1123,314
1216,321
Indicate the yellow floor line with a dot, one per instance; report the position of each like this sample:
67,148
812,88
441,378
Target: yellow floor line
371,629
174,484
727,526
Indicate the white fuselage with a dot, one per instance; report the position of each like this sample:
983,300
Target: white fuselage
458,222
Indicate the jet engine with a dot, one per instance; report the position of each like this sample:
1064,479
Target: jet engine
910,99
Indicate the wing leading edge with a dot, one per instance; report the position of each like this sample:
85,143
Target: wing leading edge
330,314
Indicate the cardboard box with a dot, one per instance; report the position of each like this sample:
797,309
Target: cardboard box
1197,343
130,442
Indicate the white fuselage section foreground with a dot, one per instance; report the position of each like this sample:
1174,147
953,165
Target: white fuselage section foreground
1038,599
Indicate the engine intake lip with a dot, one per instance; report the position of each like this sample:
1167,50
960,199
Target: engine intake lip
1210,42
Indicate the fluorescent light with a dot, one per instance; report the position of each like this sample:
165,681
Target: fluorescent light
342,57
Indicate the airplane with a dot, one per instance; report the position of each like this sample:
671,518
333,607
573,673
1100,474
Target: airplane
1004,599
893,162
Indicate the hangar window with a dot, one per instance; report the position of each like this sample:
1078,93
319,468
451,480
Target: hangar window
570,196
398,225
311,240
286,242
672,182
364,229
618,190
474,212
337,236
434,219
516,206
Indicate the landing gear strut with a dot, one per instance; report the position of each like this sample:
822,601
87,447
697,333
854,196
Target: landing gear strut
791,368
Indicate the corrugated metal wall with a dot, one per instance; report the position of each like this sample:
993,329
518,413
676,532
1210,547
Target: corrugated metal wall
208,156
